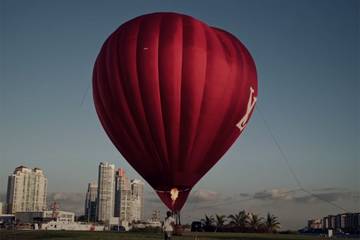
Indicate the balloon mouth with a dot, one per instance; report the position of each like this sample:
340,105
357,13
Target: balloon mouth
174,198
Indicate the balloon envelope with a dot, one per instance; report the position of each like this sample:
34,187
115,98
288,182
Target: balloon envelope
173,94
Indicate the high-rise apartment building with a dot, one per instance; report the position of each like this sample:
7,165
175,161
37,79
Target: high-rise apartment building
105,195
123,200
26,190
137,193
122,194
116,196
129,197
90,202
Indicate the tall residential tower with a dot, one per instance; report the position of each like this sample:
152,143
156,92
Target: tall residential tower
26,190
129,197
122,194
105,195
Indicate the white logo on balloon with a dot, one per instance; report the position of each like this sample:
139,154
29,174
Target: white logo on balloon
251,104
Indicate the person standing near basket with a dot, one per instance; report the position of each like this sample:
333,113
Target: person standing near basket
168,226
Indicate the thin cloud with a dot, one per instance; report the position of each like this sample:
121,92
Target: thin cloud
327,189
244,195
203,195
275,194
297,195
329,196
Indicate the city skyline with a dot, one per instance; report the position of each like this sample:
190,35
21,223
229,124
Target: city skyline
112,196
307,58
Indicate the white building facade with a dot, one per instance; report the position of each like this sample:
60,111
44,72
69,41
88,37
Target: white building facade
31,217
105,194
137,197
122,196
129,198
26,190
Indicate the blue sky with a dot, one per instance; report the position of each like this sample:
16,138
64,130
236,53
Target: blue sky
307,56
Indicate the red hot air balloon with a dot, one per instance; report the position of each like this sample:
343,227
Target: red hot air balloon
173,94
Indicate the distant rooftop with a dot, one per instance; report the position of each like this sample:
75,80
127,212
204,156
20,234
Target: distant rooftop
22,168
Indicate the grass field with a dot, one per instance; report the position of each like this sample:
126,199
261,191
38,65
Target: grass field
70,235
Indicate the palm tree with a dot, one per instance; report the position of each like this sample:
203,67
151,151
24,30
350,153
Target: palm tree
239,220
220,222
255,222
208,223
272,224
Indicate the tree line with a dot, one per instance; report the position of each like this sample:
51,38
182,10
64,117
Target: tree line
240,222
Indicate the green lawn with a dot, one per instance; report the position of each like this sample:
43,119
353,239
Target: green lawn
70,235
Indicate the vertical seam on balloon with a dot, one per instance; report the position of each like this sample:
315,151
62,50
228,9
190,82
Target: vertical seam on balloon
118,70
112,99
241,58
181,155
106,83
155,151
206,29
166,157
251,64
238,48
101,106
244,62
250,60
207,163
148,150
181,161
131,111
220,130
